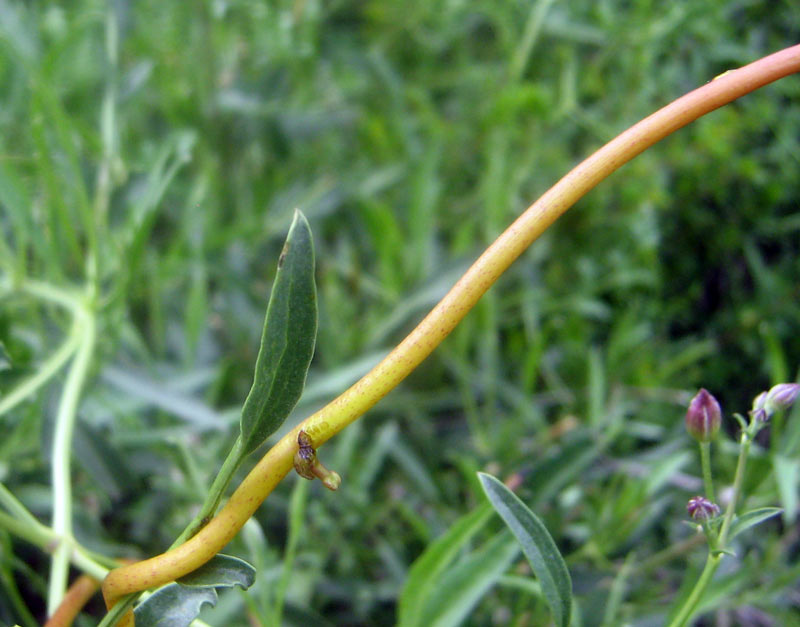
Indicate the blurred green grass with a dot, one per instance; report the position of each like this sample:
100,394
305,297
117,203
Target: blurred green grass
410,134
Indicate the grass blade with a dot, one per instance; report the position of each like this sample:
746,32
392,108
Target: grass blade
462,586
429,567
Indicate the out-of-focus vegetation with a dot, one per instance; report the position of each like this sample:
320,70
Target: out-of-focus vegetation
410,134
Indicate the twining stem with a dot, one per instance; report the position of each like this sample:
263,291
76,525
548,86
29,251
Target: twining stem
354,402
61,456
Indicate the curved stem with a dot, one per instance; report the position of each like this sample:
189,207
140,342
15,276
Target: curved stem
37,534
76,597
62,298
50,293
62,448
343,410
16,508
42,375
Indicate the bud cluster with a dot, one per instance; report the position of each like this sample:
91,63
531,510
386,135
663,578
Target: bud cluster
701,509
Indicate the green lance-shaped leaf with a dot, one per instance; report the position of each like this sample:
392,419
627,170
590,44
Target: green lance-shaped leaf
751,519
538,546
287,343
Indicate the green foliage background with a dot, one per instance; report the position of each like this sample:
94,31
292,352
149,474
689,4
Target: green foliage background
410,134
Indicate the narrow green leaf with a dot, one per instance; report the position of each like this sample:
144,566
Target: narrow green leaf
173,606
5,360
287,343
538,546
787,475
102,460
427,569
751,519
459,589
222,571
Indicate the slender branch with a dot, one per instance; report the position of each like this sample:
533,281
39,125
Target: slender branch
39,535
36,533
697,592
61,466
738,478
42,375
343,410
16,508
215,493
50,293
705,462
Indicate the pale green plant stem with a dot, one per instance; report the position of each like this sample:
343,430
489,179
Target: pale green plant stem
43,537
15,508
215,493
705,462
744,453
61,457
716,554
67,413
712,561
297,510
124,605
46,370
354,402
79,343
44,292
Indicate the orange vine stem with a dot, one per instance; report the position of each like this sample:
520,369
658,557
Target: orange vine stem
365,393
75,598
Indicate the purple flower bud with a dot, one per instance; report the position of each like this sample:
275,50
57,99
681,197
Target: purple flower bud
700,508
781,397
758,413
703,416
758,401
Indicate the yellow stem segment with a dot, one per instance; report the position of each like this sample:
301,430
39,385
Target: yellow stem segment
365,393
